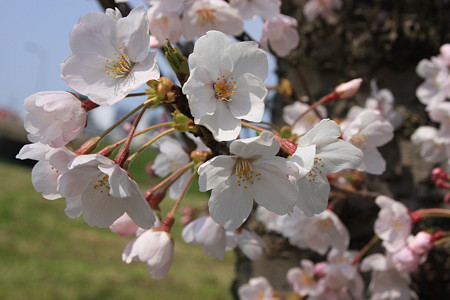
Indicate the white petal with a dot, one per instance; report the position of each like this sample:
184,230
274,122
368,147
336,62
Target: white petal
200,93
327,131
339,156
230,205
215,172
248,58
118,180
99,209
133,34
263,145
248,101
373,162
313,195
303,158
222,124
138,209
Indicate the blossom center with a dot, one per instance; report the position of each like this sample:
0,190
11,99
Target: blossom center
102,185
244,173
205,15
325,223
306,279
312,175
397,225
120,66
225,88
359,140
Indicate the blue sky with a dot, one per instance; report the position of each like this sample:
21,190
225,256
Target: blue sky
35,40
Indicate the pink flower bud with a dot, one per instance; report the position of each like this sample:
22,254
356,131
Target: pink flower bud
406,260
438,173
348,89
319,268
422,243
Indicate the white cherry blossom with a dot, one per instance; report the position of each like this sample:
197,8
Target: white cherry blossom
292,111
368,131
265,9
103,192
164,25
251,172
110,56
52,162
54,118
317,233
226,84
436,87
280,35
205,15
171,158
303,279
153,247
386,282
433,147
319,152
257,288
206,233
393,224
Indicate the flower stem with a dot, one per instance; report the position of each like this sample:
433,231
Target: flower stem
430,213
364,250
104,133
123,153
143,147
110,148
175,174
257,128
322,100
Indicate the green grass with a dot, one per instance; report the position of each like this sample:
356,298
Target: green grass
45,255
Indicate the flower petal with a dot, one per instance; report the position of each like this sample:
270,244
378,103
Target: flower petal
248,101
215,172
222,124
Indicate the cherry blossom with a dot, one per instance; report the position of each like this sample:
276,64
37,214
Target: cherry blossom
317,233
110,56
393,224
164,25
383,101
265,9
303,279
367,132
52,162
248,242
251,172
205,15
386,282
257,288
433,147
153,247
226,84
206,233
103,192
319,152
306,123
436,87
408,258
171,158
54,118
280,35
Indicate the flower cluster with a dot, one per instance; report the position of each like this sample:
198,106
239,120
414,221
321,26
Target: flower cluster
291,176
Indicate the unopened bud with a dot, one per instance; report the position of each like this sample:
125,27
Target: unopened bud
182,122
285,88
88,146
178,62
198,156
348,89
